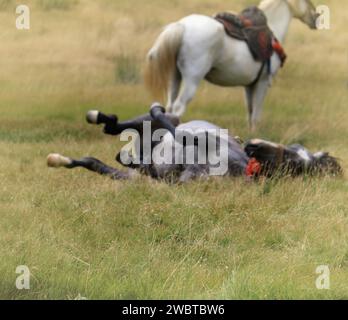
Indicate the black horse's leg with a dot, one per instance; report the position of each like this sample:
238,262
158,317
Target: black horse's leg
114,127
92,164
157,118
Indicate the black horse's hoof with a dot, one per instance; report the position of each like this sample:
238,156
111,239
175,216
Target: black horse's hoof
55,160
157,108
110,121
92,116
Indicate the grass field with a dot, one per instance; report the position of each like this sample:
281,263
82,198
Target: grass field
83,235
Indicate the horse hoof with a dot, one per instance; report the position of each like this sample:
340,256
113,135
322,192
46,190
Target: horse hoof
92,116
159,106
55,160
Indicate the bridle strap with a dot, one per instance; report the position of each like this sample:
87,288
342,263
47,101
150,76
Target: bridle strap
258,75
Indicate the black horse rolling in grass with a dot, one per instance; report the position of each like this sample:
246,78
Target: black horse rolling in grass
256,158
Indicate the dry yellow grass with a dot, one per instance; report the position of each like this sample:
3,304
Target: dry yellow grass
82,234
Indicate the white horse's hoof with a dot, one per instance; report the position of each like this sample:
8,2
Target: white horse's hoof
55,160
92,116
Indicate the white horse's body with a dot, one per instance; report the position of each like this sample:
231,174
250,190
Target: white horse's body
222,60
197,47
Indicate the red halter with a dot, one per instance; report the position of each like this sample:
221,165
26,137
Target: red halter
253,168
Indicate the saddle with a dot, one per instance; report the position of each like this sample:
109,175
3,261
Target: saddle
251,26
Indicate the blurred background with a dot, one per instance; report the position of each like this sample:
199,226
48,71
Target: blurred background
81,54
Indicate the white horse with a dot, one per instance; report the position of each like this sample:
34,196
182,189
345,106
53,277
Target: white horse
197,48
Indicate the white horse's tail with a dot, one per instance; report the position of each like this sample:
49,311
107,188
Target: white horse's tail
162,59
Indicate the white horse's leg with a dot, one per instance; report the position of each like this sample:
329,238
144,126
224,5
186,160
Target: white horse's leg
193,71
173,91
249,102
186,95
255,98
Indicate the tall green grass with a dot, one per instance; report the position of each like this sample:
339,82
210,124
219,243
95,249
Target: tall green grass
127,69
